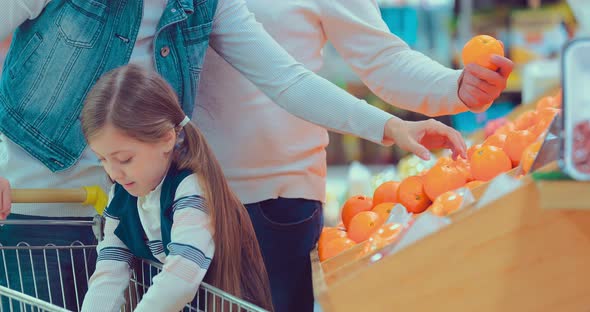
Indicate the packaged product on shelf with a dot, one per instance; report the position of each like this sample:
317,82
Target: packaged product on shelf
576,109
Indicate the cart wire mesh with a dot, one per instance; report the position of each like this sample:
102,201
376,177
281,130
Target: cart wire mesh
55,279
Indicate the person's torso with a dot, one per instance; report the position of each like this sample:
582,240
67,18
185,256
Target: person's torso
145,223
55,59
278,154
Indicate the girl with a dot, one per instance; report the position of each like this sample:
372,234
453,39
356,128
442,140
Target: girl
169,202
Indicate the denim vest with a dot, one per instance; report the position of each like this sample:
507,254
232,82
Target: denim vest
123,207
55,60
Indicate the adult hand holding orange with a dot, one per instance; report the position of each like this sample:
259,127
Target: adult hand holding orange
485,74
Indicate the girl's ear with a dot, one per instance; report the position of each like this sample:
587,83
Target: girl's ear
169,141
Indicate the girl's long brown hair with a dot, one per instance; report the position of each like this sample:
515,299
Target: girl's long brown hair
144,107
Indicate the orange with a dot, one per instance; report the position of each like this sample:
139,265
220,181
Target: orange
463,166
385,193
473,184
525,120
388,232
328,234
363,225
353,206
479,50
411,194
540,128
545,117
547,102
383,210
446,204
507,127
558,98
528,156
385,234
496,140
489,161
516,142
444,161
472,149
335,247
443,178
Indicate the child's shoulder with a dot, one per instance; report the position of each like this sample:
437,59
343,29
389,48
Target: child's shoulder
189,186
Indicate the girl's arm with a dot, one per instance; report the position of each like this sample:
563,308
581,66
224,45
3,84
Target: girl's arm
111,278
190,253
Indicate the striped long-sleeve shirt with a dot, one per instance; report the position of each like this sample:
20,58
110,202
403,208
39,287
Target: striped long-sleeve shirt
191,250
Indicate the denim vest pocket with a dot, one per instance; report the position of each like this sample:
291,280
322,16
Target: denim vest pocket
25,55
81,22
196,40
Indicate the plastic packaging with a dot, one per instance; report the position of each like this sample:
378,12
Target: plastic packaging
576,109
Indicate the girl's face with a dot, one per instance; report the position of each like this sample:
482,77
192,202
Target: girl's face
138,166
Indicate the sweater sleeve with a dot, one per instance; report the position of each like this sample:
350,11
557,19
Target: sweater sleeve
243,43
190,252
400,76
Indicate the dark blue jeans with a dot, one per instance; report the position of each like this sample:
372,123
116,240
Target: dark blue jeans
54,275
287,230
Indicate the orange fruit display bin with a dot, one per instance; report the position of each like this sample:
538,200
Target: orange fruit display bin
524,251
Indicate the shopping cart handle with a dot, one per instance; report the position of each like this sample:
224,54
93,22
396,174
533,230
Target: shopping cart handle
87,195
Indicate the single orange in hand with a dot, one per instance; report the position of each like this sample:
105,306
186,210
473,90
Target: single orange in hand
353,206
411,194
383,210
443,178
528,156
334,247
488,162
516,142
363,225
480,49
446,204
385,193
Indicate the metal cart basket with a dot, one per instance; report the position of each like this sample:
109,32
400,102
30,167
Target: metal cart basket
66,270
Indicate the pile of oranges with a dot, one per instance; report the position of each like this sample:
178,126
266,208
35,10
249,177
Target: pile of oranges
511,145
514,144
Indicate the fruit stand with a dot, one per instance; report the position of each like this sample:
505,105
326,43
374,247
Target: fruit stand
522,249
506,256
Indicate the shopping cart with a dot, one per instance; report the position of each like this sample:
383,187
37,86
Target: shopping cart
61,286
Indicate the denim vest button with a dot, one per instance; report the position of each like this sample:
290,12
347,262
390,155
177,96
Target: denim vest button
164,51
